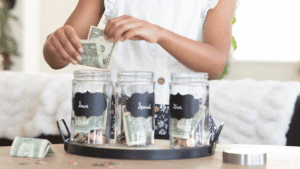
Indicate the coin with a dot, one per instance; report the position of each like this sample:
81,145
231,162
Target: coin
76,135
99,139
82,140
41,162
121,138
191,142
72,162
106,164
24,163
184,143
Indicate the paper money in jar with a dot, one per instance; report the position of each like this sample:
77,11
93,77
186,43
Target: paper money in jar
135,109
189,118
91,107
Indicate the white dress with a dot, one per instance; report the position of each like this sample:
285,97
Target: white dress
183,17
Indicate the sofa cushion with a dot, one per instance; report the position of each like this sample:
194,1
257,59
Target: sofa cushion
293,135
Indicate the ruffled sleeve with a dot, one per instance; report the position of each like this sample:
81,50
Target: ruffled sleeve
110,7
210,5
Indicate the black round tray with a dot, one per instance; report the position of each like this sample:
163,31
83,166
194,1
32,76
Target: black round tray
160,150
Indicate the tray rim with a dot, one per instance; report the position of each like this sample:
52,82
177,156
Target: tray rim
138,154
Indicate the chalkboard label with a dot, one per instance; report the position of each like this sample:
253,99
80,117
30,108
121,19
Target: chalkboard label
183,106
89,104
141,105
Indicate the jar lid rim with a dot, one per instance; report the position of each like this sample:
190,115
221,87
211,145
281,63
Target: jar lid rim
92,72
190,74
136,73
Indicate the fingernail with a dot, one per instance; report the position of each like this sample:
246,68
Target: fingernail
111,40
105,37
80,50
122,39
79,58
74,62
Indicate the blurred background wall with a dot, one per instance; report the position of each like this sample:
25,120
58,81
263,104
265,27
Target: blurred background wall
267,41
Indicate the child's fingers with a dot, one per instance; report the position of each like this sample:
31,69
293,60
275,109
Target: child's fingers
115,24
122,29
68,46
74,39
112,22
140,33
63,54
130,34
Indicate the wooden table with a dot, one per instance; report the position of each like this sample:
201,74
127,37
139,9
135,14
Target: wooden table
278,157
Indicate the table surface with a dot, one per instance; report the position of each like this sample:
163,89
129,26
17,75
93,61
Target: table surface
278,157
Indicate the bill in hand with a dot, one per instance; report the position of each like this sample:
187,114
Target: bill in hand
98,52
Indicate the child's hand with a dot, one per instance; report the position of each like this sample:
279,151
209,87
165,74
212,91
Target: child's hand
128,27
65,45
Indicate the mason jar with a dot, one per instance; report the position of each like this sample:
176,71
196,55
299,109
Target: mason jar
189,116
134,111
90,123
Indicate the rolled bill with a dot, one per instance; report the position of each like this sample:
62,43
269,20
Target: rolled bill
31,147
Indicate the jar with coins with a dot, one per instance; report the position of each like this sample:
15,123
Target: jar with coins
134,111
90,123
189,116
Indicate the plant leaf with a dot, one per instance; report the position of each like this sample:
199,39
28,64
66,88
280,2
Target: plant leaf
234,43
233,20
225,71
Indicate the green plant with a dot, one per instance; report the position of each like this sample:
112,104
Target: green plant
9,46
226,68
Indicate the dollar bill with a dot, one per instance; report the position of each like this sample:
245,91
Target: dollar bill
91,55
184,128
150,132
136,129
197,118
106,48
84,124
31,147
181,128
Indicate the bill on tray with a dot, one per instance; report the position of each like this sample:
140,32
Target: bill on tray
98,52
31,148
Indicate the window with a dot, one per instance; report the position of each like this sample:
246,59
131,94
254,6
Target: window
267,30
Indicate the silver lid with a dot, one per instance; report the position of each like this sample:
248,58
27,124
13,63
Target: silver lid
244,157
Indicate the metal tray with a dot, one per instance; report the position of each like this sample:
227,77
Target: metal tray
160,150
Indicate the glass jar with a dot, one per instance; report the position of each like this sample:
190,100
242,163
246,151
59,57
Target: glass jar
90,123
134,117
189,117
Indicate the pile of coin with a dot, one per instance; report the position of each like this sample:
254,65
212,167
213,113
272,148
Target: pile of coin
93,137
183,131
178,142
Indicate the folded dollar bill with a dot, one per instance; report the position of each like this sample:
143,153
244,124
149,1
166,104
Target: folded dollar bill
31,147
136,129
98,52
91,55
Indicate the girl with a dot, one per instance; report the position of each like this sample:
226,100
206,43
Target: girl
162,36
